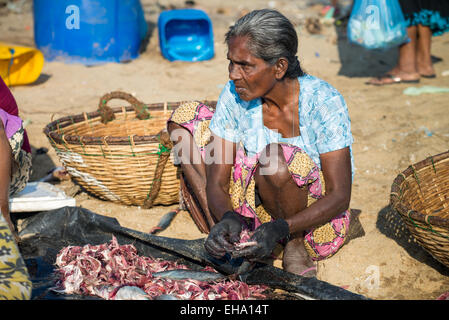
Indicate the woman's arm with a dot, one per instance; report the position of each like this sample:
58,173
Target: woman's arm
336,168
5,177
220,155
5,170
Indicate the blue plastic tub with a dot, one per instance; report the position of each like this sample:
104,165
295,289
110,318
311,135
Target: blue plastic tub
89,32
186,35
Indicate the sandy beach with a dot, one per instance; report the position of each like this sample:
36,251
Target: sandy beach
390,129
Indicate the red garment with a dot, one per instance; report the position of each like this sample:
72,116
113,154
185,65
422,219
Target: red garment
8,103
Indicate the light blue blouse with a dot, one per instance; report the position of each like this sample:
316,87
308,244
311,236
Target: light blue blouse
324,121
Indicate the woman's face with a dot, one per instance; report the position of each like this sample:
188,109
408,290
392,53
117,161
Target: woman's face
253,77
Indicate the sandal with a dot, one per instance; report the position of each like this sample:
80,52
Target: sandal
395,79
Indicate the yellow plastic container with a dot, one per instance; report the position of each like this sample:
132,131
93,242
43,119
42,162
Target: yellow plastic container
20,65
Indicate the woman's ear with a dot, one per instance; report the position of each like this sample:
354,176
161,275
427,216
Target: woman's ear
281,67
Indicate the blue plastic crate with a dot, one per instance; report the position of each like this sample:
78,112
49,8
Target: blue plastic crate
186,35
89,32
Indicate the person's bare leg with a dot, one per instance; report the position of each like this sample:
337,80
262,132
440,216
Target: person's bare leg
282,198
424,64
192,164
406,66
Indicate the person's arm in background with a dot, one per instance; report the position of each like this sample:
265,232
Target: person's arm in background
15,282
5,178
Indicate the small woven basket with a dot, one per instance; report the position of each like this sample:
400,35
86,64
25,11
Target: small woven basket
421,196
120,154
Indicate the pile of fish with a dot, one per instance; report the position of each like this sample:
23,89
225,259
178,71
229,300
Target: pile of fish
102,270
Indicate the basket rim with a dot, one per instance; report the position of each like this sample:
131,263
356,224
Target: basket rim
396,203
66,121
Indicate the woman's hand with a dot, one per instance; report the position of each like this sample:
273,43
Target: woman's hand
224,234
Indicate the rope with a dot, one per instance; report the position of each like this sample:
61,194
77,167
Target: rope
165,146
108,115
433,165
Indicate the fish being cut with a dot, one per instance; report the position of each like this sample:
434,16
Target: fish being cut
245,237
241,245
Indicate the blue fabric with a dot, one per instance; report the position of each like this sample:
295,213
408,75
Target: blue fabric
324,121
429,18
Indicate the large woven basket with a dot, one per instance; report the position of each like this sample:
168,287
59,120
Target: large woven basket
121,154
421,196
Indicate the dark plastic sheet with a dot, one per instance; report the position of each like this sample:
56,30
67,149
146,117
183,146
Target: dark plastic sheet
44,234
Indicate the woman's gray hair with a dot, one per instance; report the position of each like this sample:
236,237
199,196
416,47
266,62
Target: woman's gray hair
270,36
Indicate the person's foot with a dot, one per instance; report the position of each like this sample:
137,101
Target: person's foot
424,66
395,76
426,71
296,259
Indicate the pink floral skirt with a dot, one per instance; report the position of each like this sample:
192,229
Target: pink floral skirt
320,242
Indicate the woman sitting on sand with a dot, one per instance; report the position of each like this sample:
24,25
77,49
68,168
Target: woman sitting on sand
274,156
15,166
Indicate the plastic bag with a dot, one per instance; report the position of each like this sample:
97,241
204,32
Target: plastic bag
377,24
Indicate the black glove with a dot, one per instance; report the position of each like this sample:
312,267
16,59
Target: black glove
266,236
223,234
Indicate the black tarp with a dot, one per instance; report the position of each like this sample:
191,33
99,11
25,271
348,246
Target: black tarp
45,233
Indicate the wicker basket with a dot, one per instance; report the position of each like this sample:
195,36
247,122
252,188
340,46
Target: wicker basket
421,196
126,160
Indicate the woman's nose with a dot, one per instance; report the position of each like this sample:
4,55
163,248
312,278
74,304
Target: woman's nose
234,73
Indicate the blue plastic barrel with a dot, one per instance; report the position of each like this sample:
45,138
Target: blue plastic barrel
89,32
186,35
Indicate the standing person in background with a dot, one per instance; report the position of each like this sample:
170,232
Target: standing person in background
15,167
425,18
